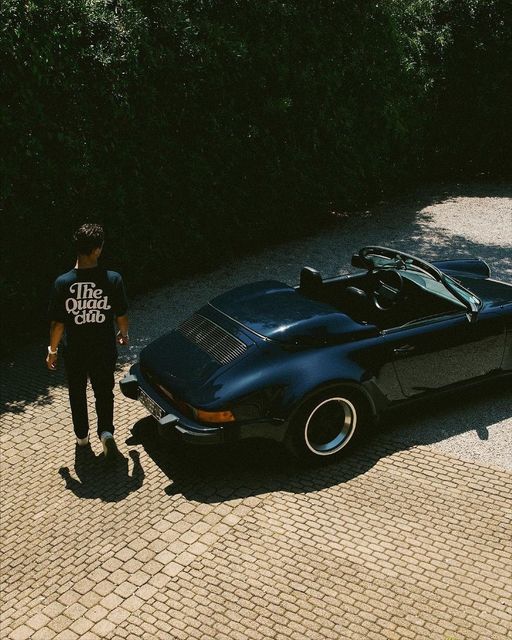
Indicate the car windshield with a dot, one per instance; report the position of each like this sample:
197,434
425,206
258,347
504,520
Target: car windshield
423,274
427,283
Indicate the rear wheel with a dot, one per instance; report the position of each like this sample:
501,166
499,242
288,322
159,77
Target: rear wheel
328,425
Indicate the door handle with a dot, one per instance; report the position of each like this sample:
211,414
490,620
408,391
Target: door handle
404,349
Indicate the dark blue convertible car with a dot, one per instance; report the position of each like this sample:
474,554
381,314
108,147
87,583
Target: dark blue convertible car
313,366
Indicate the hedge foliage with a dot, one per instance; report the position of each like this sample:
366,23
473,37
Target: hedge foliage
195,129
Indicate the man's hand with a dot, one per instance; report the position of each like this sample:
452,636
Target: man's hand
122,337
51,361
56,333
122,340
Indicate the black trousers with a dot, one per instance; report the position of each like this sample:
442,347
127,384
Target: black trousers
99,369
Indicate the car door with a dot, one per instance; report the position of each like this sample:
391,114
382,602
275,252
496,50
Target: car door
434,353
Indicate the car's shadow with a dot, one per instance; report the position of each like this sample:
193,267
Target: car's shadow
214,474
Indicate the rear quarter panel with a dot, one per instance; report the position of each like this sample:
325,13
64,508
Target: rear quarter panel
295,373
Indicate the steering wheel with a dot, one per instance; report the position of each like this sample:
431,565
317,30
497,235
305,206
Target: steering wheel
387,289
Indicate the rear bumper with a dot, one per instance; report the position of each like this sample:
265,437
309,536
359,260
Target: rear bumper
174,424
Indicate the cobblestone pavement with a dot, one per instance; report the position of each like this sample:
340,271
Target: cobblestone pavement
403,540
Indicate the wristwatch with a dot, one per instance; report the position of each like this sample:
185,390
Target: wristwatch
52,353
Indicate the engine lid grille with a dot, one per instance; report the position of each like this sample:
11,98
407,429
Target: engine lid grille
214,340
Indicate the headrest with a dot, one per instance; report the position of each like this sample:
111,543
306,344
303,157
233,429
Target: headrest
310,280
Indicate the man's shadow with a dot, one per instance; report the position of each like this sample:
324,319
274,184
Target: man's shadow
97,478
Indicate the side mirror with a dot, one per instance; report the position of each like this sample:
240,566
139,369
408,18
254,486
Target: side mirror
472,316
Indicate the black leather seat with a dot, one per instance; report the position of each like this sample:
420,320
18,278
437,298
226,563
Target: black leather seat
358,303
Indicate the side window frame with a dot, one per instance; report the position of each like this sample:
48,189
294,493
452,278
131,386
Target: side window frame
435,318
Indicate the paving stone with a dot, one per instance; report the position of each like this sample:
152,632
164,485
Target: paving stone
21,633
125,590
117,616
172,569
81,626
44,633
103,628
112,601
92,598
133,603
97,613
38,621
125,554
67,635
59,623
75,611
70,597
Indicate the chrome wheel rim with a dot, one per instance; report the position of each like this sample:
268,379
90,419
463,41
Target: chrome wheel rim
330,426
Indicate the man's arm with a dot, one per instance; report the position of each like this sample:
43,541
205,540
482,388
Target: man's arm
122,325
56,333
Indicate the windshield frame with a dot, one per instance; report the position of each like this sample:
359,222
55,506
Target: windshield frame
402,261
460,292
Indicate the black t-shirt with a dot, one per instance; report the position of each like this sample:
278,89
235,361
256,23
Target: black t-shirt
87,301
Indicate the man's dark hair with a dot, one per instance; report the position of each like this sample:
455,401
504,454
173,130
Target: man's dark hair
88,238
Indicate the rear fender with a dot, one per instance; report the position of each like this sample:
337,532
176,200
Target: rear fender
286,377
351,386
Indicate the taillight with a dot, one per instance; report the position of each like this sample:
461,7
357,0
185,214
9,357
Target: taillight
213,416
198,414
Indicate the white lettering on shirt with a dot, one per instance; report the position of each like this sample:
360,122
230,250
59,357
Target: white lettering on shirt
87,304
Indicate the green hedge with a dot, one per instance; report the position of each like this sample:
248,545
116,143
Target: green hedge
197,129
462,51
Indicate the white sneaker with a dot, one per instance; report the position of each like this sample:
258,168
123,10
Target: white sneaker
83,442
110,450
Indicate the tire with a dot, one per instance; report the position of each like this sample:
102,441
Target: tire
328,426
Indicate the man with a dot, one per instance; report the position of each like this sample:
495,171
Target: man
84,304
